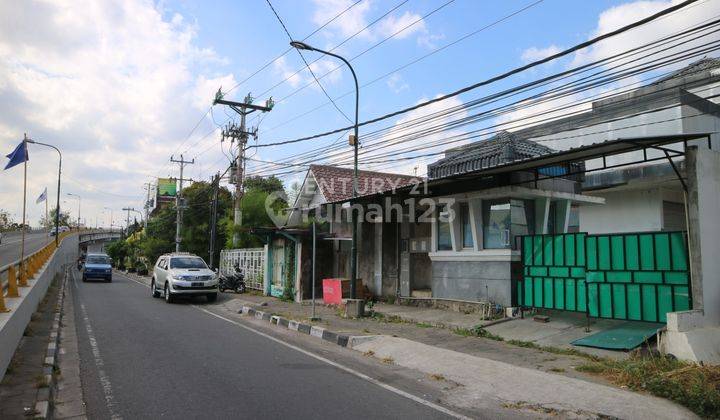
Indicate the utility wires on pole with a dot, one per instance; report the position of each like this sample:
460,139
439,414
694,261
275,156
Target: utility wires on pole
240,135
179,200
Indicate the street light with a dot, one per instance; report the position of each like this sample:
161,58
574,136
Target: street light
79,204
111,217
353,250
57,203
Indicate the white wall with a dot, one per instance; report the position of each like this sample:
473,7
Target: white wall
624,211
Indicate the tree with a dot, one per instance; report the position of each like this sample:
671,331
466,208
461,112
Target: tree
294,192
48,222
197,218
5,220
268,185
254,213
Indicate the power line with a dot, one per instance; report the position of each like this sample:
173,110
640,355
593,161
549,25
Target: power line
305,61
498,77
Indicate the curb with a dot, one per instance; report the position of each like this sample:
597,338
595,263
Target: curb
45,398
321,333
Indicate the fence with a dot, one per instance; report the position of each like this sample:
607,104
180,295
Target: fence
634,276
250,260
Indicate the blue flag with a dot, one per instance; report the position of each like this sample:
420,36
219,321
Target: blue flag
42,197
18,156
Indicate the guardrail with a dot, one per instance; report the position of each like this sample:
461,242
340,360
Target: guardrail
96,236
16,274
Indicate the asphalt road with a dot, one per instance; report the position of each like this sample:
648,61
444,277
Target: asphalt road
10,246
143,358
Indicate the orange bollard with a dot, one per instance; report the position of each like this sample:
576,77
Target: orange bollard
3,308
22,280
12,283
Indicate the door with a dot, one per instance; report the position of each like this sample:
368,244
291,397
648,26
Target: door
278,274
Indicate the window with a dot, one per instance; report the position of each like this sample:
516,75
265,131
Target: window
466,227
444,243
496,224
574,219
523,217
97,259
187,262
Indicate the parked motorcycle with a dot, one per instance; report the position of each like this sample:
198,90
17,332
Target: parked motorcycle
234,281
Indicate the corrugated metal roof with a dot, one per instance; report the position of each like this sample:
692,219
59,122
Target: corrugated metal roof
504,147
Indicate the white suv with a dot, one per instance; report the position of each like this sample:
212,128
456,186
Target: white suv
183,274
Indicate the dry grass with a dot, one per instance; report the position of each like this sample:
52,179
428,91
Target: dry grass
437,377
369,353
693,385
387,360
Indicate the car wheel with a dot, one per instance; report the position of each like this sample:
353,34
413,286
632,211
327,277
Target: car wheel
109,280
84,279
169,298
212,297
154,290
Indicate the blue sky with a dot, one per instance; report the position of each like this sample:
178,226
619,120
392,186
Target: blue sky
119,86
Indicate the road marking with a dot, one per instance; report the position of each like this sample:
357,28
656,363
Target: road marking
346,369
341,367
99,363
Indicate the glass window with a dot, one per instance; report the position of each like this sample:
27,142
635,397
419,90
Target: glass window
97,259
444,243
574,219
496,224
466,227
187,262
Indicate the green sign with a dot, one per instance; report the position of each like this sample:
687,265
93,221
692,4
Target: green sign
166,187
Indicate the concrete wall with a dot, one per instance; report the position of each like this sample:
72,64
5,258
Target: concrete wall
472,280
703,168
624,211
13,323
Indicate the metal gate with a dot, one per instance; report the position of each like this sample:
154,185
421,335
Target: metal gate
553,272
252,262
637,276
633,276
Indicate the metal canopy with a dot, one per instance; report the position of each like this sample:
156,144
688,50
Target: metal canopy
603,150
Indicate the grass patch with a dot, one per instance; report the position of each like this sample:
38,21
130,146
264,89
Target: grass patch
556,370
477,331
423,325
387,360
554,350
437,377
695,386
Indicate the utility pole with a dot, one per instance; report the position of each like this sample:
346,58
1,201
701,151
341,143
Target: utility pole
241,135
213,218
179,201
147,186
127,220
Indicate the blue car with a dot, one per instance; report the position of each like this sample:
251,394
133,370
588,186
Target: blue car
97,266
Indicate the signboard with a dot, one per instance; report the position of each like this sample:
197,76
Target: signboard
166,187
332,291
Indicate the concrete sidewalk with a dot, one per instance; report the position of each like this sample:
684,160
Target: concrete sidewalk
488,384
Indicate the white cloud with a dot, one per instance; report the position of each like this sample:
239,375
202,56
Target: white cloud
349,23
401,26
534,54
396,83
627,13
114,85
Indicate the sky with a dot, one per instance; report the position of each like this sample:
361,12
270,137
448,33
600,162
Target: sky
121,86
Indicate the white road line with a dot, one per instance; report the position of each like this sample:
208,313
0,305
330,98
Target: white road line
99,364
343,368
334,364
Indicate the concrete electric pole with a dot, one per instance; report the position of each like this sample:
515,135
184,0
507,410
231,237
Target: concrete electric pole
179,201
241,135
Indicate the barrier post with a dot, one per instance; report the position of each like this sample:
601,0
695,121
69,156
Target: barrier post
23,274
12,283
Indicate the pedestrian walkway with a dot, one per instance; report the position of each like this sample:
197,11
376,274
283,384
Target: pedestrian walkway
24,382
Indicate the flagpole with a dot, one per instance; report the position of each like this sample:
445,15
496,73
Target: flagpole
22,241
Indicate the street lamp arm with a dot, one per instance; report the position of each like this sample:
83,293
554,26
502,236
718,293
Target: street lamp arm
57,203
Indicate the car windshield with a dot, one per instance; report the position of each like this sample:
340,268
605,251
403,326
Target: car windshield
187,262
97,259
